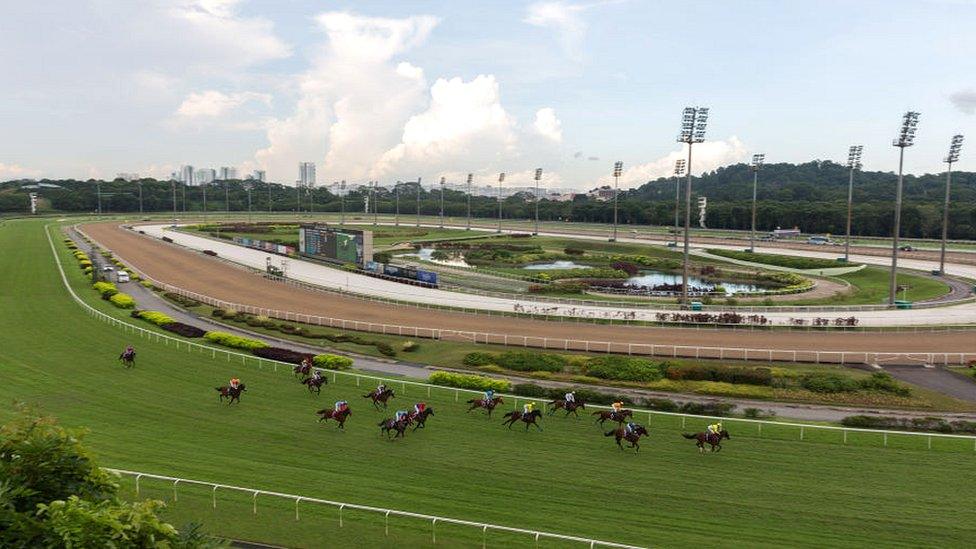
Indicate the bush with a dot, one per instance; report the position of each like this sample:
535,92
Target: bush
332,362
478,358
382,257
410,346
574,251
756,413
385,349
719,409
530,390
748,376
218,313
122,301
932,424
466,381
233,341
523,361
351,267
281,355
106,289
180,300
146,284
156,317
828,383
883,382
624,368
184,330
787,261
262,322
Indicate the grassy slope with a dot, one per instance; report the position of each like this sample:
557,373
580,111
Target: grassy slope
162,417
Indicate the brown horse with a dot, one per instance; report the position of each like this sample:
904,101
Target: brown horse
486,404
379,397
570,407
128,358
340,417
302,369
315,385
421,418
529,418
390,425
230,392
632,436
614,416
714,440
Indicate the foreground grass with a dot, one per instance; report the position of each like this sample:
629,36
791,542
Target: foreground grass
162,417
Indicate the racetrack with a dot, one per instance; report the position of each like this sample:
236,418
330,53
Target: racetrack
214,278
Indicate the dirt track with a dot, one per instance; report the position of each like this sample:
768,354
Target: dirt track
210,277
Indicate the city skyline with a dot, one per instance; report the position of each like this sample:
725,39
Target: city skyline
605,81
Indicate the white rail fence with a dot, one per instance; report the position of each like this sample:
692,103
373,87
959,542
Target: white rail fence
564,344
485,527
801,429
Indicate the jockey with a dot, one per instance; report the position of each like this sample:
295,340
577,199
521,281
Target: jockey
419,408
130,350
317,376
617,407
381,388
234,383
400,416
570,397
715,428
341,405
307,362
527,408
489,395
631,426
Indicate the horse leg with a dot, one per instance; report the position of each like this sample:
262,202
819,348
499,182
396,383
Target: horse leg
537,425
620,445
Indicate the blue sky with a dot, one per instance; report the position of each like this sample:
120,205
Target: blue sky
394,90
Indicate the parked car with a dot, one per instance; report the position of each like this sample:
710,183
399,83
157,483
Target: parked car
906,248
122,276
108,268
819,240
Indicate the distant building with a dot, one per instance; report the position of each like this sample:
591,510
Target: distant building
259,175
602,194
204,176
561,197
186,175
127,176
227,173
306,174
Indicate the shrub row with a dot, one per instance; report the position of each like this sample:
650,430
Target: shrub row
122,301
105,289
156,317
233,341
787,261
720,409
182,301
624,368
281,355
748,376
880,382
184,330
332,362
932,424
466,381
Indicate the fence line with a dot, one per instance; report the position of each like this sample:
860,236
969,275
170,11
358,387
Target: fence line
433,519
565,344
143,332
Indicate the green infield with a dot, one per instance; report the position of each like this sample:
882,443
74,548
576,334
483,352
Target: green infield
163,417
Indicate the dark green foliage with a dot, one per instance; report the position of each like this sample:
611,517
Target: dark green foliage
932,424
788,261
620,368
832,383
749,376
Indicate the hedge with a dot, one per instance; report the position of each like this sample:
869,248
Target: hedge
530,361
465,381
832,383
332,362
748,376
787,261
624,368
933,424
281,355
184,330
122,301
156,317
106,289
233,341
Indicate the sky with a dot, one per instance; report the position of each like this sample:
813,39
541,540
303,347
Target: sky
395,90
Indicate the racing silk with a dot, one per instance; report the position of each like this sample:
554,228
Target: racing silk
617,406
714,428
380,388
490,395
527,408
400,415
419,407
317,375
570,397
234,382
630,428
341,405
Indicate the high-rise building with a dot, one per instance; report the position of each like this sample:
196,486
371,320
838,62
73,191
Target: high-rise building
259,175
186,175
306,174
127,176
204,175
227,173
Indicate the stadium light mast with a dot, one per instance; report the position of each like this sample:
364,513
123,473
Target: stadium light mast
173,185
853,164
906,138
954,147
269,198
375,184
501,179
204,187
470,177
442,201
757,162
342,202
618,168
679,170
538,177
248,188
140,196
694,121
396,215
98,197
419,188
227,197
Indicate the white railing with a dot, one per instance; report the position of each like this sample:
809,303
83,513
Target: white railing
432,519
564,344
801,428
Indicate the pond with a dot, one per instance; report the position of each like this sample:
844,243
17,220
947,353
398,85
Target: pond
556,265
650,279
424,255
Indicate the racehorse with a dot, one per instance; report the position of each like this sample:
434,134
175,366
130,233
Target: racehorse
389,425
340,417
632,437
315,386
379,398
619,418
486,404
230,392
529,418
714,440
570,407
128,358
302,369
421,418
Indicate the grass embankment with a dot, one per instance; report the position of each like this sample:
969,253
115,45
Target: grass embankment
869,286
788,261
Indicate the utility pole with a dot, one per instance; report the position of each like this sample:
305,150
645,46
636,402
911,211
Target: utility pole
342,202
501,179
98,196
470,177
173,185
140,197
693,123
396,215
618,168
419,188
204,187
442,201
538,176
679,170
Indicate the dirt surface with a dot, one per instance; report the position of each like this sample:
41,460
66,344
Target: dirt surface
211,277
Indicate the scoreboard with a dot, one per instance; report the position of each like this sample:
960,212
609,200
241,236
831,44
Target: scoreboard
340,245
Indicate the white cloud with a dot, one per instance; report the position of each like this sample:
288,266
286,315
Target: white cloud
547,125
964,100
214,104
219,32
15,171
707,157
565,19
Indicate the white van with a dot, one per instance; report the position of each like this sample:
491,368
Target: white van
819,240
122,276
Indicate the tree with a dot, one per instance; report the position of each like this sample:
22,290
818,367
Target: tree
52,494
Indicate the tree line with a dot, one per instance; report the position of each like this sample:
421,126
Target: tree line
811,196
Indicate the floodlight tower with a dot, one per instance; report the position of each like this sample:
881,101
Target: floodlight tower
679,170
618,168
694,121
853,164
954,147
396,215
538,177
247,186
470,177
98,196
442,201
501,179
757,162
419,188
173,185
204,187
140,197
906,138
375,184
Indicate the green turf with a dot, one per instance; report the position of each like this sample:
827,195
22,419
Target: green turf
163,417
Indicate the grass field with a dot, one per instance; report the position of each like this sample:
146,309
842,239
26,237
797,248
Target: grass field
162,417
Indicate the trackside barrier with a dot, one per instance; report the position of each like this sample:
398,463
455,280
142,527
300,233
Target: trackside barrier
190,346
555,343
432,519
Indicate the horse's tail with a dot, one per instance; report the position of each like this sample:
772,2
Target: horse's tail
367,395
382,423
218,389
610,433
596,413
686,435
323,411
471,401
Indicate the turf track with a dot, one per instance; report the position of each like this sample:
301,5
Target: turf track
163,417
